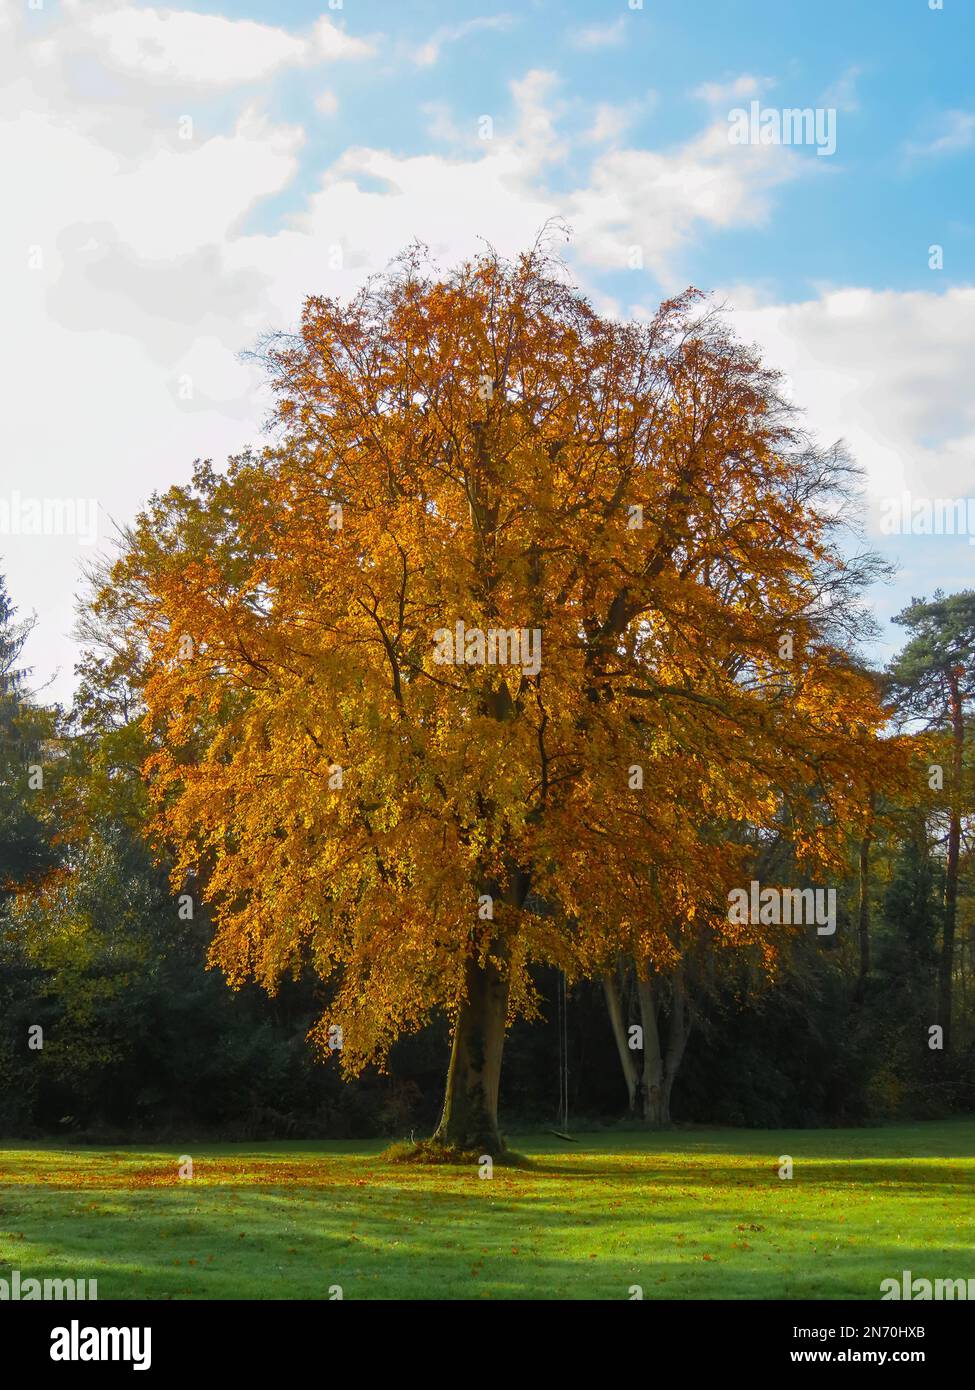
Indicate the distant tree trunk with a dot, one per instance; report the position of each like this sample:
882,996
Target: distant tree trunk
678,1033
655,1108
627,1058
649,1090
947,965
863,910
660,1067
470,1111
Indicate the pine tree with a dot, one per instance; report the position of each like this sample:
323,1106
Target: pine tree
933,679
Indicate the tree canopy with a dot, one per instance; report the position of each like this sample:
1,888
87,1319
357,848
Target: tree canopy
496,653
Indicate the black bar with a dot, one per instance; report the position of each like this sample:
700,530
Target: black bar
405,1338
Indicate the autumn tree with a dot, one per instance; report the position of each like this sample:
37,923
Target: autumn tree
483,659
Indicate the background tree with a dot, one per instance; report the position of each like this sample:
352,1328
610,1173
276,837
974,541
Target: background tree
27,831
933,678
23,727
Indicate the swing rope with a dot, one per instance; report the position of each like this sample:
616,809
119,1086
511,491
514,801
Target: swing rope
562,1024
563,1053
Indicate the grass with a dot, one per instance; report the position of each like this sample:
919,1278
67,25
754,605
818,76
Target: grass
688,1214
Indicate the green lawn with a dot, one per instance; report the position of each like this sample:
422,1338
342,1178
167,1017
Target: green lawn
687,1214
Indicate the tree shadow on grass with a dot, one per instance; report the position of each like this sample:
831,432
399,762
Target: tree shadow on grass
426,1238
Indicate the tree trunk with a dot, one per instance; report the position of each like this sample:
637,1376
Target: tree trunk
470,1110
656,1109
678,1033
627,1059
649,1092
947,965
863,912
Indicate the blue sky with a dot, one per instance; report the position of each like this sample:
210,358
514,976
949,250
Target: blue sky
897,69
179,177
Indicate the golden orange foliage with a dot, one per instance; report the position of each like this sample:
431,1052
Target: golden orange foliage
484,448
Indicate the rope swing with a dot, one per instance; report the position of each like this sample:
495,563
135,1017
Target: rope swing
561,997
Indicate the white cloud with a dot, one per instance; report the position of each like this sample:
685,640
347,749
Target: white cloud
598,35
429,52
441,125
611,122
657,201
720,93
888,371
371,202
111,263
327,103
958,134
172,199
181,46
175,48
537,114
331,43
843,93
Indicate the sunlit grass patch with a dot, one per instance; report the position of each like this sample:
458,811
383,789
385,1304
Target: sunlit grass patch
685,1214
